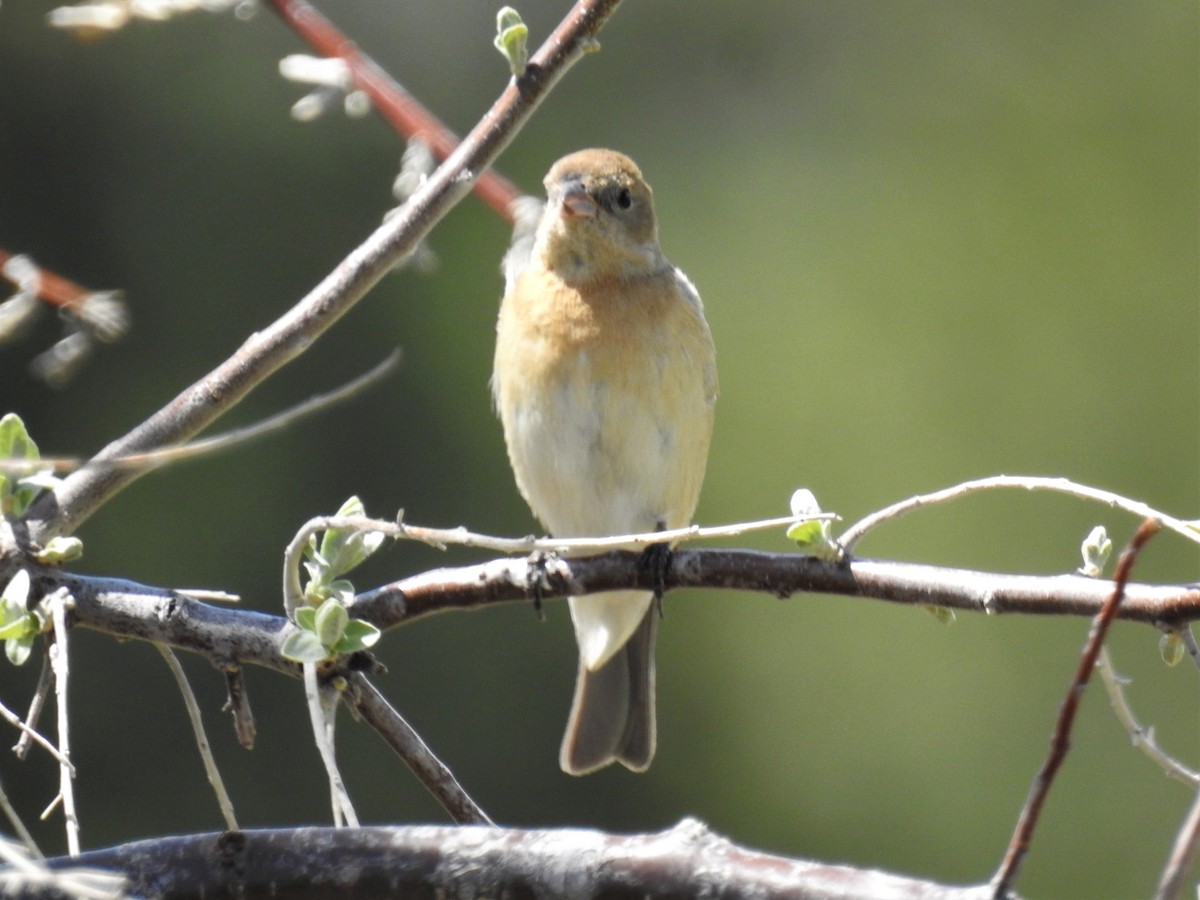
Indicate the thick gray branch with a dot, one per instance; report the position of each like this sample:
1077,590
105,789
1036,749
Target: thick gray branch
478,861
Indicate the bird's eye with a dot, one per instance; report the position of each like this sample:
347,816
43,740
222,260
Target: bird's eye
624,199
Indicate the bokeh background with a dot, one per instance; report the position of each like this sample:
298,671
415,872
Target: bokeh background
936,241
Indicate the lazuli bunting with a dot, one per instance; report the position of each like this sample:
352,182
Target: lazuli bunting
605,381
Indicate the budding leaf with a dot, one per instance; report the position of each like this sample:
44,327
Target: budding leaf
1096,549
813,536
1170,645
511,35
303,646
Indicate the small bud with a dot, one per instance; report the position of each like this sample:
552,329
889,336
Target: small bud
511,35
1096,549
1170,645
813,536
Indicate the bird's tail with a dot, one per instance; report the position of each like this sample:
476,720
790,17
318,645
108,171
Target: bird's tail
612,714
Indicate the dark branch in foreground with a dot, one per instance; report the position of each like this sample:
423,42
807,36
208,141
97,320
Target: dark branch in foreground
423,861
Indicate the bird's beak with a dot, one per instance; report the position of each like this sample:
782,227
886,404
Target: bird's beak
576,201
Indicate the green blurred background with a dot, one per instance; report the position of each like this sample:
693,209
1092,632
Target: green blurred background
936,241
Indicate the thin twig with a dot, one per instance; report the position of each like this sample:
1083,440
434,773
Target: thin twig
28,732
223,441
322,726
401,109
267,350
431,771
210,764
852,535
1189,643
40,692
1182,854
441,538
19,829
57,603
1142,737
1060,742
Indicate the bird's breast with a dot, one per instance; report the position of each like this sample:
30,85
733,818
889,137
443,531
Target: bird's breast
606,399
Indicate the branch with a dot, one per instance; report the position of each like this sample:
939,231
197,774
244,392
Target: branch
417,861
1182,854
778,574
1060,742
852,535
391,726
233,636
65,508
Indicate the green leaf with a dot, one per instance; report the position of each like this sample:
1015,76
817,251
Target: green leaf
330,623
511,37
16,491
814,536
303,646
15,442
358,635
344,549
16,592
814,531
21,628
306,618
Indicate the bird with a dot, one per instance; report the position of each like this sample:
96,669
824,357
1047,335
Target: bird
605,383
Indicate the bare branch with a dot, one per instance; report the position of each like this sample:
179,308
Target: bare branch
206,755
1182,854
778,574
235,636
685,861
1061,740
852,535
40,692
321,715
391,726
1142,737
57,604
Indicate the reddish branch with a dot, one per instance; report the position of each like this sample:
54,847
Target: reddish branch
52,288
1060,742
